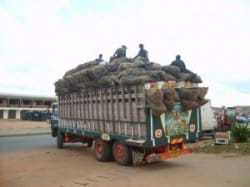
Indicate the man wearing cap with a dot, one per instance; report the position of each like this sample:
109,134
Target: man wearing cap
142,54
119,53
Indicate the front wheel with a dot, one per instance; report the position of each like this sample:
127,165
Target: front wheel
122,153
60,139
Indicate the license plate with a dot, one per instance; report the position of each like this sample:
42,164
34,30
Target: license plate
175,154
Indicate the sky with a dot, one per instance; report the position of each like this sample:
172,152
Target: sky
41,39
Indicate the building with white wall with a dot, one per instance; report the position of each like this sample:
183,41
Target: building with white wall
13,105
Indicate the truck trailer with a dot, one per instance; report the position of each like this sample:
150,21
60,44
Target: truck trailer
120,123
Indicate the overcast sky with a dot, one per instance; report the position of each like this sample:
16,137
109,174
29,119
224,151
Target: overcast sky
41,39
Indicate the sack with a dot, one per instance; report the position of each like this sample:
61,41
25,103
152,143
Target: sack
156,102
185,77
127,65
189,105
171,94
97,72
82,66
133,80
133,71
152,66
187,94
173,70
159,75
106,81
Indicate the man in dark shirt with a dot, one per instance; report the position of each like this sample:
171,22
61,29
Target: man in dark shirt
142,54
178,62
99,59
119,53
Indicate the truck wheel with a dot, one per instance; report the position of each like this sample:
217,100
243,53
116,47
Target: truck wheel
53,132
60,139
89,143
102,150
122,153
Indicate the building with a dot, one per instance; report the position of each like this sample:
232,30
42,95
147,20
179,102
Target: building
13,106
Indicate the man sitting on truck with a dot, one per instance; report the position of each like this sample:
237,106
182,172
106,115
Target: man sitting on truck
99,59
178,62
119,53
142,54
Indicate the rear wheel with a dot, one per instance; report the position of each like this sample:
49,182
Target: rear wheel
122,153
60,139
103,150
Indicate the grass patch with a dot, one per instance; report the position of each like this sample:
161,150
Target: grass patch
240,148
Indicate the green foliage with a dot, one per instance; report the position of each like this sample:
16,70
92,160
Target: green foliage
241,133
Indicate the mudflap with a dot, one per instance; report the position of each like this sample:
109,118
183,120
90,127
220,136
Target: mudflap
138,158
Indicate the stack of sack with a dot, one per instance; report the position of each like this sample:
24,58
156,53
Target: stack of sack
162,101
126,72
122,71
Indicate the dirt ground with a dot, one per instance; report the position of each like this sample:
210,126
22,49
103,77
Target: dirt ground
76,166
14,127
19,124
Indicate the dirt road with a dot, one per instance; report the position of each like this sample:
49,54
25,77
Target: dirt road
76,166
20,127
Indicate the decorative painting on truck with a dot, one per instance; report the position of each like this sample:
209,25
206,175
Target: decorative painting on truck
176,122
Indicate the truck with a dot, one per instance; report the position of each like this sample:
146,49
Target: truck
120,123
208,121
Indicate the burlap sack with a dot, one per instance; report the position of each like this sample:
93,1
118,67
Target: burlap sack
156,102
189,105
97,72
185,77
132,71
159,75
187,94
132,80
127,65
106,81
173,70
152,66
80,67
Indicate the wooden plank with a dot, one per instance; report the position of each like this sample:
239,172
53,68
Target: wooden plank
131,113
124,111
102,110
137,111
112,110
118,111
107,109
97,110
88,111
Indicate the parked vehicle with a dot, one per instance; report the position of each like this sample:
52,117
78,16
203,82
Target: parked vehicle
120,122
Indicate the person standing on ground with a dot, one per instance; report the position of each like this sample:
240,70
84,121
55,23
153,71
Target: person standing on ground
119,53
142,54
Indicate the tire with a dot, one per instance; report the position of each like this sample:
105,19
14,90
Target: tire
60,139
89,143
53,132
122,153
103,151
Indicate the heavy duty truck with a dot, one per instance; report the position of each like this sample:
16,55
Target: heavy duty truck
119,121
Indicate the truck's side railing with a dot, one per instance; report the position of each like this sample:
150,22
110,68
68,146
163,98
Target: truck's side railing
117,110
